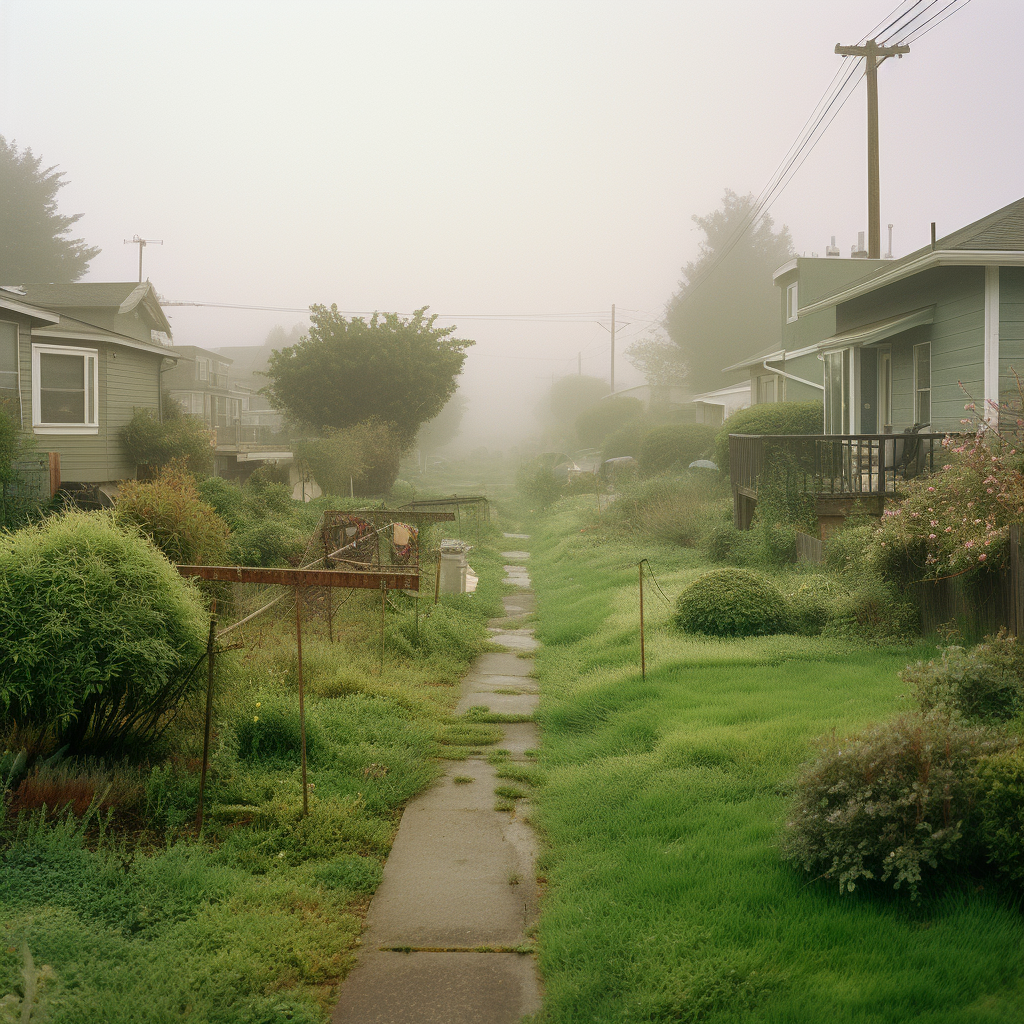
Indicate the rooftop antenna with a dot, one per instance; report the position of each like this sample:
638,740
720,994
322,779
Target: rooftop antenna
142,243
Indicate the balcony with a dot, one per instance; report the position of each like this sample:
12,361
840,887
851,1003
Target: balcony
240,435
842,471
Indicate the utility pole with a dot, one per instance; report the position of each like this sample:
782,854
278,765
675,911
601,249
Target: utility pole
613,349
142,243
873,55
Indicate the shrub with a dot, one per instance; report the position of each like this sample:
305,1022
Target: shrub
872,610
622,442
1001,810
595,424
846,549
148,442
225,498
537,483
985,683
770,418
731,602
267,543
675,444
677,510
98,633
171,513
269,729
890,802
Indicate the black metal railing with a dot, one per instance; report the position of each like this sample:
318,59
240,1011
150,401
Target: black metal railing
835,464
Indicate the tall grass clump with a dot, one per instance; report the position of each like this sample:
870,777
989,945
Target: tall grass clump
98,633
678,509
171,513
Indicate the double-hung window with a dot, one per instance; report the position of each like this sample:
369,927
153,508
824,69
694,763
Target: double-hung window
923,383
65,386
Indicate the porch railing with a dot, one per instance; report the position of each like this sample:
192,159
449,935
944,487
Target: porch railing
833,464
237,433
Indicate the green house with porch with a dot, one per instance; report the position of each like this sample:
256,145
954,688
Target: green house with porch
896,347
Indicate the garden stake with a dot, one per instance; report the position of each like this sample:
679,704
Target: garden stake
643,655
437,578
209,708
383,603
302,705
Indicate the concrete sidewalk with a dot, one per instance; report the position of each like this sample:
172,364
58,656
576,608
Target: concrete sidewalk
460,876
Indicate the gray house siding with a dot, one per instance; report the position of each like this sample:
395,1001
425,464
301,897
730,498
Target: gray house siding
957,337
1011,335
127,380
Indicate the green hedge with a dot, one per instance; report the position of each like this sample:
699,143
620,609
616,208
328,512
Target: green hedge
675,444
732,602
770,418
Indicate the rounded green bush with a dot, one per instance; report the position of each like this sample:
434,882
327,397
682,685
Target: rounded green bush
731,602
98,632
769,418
675,444
1001,807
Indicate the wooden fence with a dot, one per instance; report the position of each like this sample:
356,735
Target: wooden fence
809,549
981,606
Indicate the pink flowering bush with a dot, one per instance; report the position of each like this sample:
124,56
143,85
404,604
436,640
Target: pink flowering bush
956,520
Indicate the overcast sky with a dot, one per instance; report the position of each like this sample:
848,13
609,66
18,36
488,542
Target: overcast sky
486,157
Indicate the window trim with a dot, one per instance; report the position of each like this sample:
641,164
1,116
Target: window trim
17,369
791,302
40,427
918,389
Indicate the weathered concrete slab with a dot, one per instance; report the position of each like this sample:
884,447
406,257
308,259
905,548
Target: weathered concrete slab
520,737
519,604
499,663
439,988
448,879
498,703
488,684
516,536
515,639
518,555
517,579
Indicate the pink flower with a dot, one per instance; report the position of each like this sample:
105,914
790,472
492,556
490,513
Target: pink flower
988,490
931,536
949,529
981,558
969,544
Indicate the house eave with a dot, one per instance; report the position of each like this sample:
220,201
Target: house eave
43,332
33,312
927,261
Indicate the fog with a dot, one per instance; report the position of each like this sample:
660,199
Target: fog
486,159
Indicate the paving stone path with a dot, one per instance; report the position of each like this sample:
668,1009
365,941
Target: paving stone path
460,875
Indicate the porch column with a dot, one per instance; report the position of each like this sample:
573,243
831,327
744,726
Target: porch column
991,410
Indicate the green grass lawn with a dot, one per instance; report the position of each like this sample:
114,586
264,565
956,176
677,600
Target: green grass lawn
257,921
666,896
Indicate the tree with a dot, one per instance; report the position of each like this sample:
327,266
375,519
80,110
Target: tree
33,246
395,370
658,359
719,317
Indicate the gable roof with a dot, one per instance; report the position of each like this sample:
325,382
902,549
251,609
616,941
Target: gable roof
1002,230
113,298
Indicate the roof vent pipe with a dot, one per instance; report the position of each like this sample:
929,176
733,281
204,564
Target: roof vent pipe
933,234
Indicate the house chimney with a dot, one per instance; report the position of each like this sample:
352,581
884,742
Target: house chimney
833,249
858,252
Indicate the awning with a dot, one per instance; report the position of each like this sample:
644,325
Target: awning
871,333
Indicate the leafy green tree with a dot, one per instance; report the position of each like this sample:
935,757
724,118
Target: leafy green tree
660,360
33,242
719,316
389,368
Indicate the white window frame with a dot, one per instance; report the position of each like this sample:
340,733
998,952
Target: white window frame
203,368
919,388
791,302
87,427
